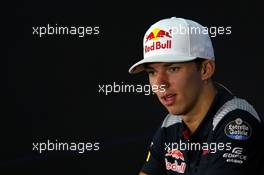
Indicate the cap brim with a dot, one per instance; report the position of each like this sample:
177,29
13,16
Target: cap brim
138,67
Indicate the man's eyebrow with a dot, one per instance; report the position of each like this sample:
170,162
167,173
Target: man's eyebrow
146,66
168,64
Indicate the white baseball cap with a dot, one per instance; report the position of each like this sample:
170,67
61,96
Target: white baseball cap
174,40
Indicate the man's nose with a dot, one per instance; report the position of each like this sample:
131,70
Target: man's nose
162,79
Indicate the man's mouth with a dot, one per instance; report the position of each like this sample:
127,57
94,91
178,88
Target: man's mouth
168,99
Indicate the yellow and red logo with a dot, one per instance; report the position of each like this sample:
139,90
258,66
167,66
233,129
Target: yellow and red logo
175,165
157,33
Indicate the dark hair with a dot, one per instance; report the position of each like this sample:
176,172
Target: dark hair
198,62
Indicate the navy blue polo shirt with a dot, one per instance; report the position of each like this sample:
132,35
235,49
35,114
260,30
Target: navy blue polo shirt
228,141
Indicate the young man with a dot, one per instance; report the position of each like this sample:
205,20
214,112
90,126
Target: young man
208,130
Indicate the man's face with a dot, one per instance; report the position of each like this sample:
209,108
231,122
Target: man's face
182,83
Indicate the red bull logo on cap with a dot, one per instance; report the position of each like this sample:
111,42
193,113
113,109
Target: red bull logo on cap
155,35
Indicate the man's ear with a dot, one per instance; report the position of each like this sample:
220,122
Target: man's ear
207,69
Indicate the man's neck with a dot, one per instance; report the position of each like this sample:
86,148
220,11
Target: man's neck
197,114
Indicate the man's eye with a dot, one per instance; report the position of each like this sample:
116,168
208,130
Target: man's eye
173,69
150,72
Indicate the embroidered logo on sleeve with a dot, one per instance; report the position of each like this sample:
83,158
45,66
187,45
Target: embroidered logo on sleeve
238,129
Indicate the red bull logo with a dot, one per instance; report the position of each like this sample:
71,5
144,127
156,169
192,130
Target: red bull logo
175,166
155,35
175,154
180,168
158,45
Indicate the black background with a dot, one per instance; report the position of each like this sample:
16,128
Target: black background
53,80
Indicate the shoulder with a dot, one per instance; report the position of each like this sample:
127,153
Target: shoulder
169,126
237,119
239,128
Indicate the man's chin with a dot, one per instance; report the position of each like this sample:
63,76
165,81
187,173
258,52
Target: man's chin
173,111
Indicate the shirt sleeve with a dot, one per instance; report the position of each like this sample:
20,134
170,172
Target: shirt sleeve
241,133
155,163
